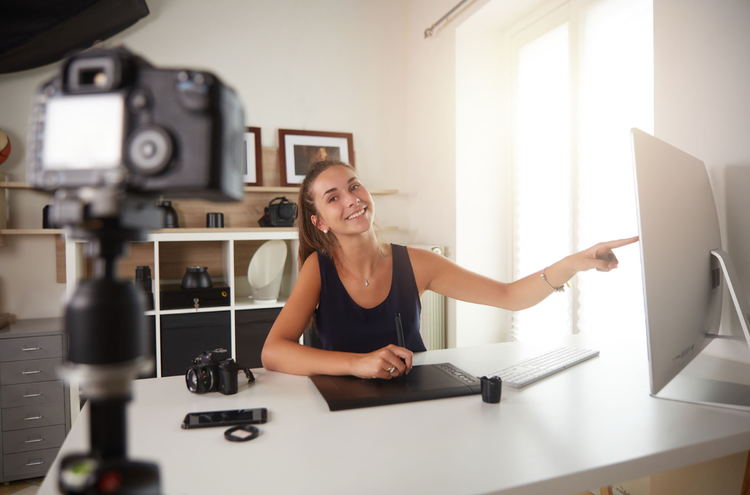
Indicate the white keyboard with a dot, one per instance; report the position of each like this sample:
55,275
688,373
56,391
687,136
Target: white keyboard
534,369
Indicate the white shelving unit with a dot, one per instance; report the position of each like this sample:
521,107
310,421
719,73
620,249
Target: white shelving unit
228,237
75,263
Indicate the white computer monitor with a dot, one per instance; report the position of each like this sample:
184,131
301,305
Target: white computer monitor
684,272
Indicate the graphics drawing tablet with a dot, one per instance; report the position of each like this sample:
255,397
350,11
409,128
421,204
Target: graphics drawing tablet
425,382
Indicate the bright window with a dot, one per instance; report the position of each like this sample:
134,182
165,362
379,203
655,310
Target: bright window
582,77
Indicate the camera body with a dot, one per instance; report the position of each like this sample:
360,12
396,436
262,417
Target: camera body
215,371
280,212
112,120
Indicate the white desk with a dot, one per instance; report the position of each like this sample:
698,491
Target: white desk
592,425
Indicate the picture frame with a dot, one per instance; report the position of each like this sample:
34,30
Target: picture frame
298,149
252,165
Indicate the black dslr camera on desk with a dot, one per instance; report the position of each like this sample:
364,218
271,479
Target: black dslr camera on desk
108,135
215,371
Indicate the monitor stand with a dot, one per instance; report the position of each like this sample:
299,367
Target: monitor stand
712,380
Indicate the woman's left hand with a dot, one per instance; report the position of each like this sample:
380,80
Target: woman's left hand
599,256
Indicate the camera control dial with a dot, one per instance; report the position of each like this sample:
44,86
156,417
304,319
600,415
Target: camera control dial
149,149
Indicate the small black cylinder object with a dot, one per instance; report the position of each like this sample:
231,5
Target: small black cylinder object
143,278
142,273
492,389
170,214
197,277
46,224
215,220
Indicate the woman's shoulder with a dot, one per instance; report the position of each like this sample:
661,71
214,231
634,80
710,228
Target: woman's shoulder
310,272
417,253
424,259
311,263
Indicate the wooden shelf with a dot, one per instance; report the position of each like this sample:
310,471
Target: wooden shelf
218,232
224,229
31,231
295,190
248,189
15,185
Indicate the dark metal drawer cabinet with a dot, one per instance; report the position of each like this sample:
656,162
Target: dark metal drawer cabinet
18,418
38,370
28,464
47,437
34,415
28,394
31,348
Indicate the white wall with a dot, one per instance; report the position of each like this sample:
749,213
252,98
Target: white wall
431,132
702,106
331,65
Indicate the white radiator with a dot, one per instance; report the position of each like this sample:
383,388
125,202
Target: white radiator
433,312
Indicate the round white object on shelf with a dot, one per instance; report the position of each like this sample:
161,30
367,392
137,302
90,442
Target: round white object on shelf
265,271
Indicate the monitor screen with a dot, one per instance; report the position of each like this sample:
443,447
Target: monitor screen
679,227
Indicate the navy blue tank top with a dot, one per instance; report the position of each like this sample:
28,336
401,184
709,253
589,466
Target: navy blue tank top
344,325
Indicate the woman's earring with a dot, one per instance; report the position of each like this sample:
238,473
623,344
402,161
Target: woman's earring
325,231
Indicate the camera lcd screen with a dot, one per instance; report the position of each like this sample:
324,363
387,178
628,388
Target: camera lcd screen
83,132
225,418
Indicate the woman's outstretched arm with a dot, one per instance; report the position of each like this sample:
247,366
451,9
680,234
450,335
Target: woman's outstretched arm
439,274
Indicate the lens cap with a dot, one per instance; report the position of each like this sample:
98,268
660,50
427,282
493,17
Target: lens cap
241,433
492,388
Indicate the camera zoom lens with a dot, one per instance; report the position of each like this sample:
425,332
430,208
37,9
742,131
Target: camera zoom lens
199,379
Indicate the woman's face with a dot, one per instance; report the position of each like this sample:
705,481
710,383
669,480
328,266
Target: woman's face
321,155
344,205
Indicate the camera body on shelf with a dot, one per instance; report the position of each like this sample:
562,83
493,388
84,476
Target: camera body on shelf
280,212
215,371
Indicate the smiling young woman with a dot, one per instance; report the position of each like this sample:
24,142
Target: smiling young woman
351,285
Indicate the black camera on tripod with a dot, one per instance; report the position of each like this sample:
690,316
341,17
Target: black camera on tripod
108,135
112,118
215,371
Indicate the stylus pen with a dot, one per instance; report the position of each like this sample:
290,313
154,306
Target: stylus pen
399,331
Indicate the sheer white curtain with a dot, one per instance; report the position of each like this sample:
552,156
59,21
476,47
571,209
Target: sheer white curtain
582,77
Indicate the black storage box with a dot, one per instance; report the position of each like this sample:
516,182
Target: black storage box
175,297
251,327
185,337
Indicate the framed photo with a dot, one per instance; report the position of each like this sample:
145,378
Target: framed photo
299,149
252,166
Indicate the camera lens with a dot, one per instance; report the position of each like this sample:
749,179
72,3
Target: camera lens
199,379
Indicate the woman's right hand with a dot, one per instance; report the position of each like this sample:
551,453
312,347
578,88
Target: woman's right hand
376,364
